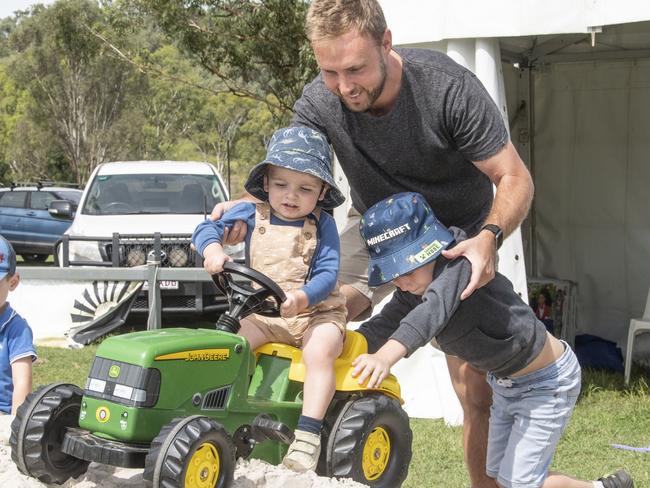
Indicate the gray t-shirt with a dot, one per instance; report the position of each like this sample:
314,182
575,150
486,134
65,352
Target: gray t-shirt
442,121
493,329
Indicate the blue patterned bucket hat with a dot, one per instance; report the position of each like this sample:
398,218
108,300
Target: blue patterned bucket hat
7,258
300,149
402,234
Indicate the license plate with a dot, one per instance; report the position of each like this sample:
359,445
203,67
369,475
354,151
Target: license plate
163,285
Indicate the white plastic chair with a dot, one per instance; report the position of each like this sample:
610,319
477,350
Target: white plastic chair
636,326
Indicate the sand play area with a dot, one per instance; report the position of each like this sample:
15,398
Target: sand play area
248,474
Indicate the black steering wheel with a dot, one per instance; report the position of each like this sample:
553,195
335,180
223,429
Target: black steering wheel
243,298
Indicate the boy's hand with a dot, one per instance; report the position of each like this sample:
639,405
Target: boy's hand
372,367
295,303
214,258
376,367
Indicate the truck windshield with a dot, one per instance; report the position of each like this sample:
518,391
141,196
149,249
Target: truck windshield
153,194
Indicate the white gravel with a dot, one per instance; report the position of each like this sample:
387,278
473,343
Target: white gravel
248,474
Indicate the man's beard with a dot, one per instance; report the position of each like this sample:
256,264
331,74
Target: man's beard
373,93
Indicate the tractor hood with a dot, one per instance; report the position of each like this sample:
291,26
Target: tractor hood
152,348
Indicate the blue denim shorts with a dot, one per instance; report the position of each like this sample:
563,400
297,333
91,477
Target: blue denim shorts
528,416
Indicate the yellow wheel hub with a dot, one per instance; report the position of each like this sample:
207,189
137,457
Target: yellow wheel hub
376,453
203,467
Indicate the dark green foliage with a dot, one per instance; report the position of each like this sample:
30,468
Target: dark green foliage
87,81
77,86
256,49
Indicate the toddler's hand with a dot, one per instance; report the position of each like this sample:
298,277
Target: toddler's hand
214,258
295,303
214,264
371,367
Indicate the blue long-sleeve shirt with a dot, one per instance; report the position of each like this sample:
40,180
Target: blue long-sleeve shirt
325,263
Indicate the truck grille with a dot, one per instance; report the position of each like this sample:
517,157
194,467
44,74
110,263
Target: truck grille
170,250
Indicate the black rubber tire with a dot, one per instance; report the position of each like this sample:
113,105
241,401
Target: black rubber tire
355,422
37,433
34,258
172,450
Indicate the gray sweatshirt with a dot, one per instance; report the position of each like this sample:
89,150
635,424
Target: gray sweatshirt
493,330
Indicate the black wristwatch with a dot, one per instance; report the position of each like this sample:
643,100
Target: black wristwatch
496,230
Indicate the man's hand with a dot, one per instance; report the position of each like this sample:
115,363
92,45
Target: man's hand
237,233
370,367
295,303
480,251
214,258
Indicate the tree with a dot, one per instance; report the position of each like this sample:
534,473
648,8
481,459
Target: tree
77,84
256,49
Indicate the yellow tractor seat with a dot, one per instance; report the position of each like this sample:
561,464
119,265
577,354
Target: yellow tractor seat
354,345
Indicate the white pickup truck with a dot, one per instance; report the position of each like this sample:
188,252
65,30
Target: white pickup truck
132,212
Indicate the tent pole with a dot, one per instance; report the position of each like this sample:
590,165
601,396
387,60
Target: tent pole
531,160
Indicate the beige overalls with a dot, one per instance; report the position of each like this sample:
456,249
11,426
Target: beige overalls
284,253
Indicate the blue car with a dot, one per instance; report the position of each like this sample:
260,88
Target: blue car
33,219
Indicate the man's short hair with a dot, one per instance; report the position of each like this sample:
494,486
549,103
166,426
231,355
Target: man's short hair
331,18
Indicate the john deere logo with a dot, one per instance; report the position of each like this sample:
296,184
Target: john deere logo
102,414
114,371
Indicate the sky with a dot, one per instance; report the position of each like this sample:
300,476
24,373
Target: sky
7,7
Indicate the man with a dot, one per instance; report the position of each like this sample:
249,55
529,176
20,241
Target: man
413,120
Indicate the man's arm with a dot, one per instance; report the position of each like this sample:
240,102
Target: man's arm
514,194
237,233
210,231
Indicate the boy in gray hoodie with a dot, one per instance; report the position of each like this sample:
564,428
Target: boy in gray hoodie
535,378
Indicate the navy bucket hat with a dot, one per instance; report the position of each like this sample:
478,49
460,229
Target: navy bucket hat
7,258
402,234
299,149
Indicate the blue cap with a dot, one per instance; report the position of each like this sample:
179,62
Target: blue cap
7,258
300,149
402,234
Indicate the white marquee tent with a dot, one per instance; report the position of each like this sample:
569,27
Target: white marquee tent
573,81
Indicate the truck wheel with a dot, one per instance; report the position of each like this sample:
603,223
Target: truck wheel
370,442
37,433
190,452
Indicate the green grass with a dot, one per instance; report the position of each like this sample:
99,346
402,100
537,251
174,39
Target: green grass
56,364
607,413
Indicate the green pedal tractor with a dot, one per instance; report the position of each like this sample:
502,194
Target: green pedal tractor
184,404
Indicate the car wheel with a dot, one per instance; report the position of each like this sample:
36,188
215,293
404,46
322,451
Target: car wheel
370,442
37,434
34,258
190,452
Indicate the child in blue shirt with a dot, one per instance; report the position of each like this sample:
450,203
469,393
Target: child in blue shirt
535,378
17,350
296,244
